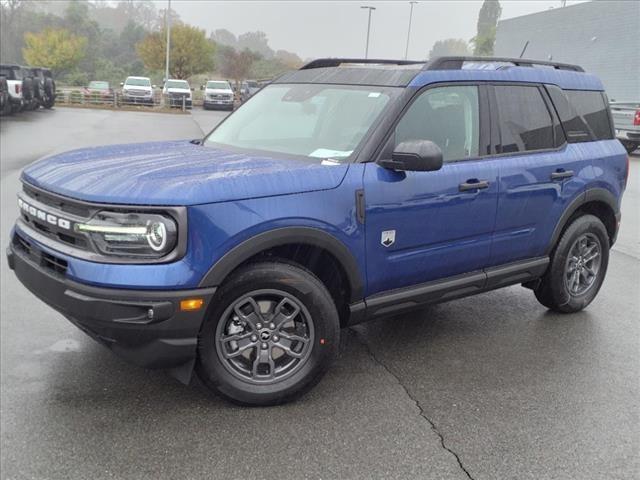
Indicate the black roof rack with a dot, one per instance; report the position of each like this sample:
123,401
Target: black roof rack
336,62
456,63
440,63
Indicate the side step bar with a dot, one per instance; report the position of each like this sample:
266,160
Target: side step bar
404,299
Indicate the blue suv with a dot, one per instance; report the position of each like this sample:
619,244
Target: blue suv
347,190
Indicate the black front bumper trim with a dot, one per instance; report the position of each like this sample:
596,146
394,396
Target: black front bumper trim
146,327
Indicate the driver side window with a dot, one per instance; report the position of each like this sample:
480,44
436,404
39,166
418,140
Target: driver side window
448,116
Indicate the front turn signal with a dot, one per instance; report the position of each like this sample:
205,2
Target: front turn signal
191,304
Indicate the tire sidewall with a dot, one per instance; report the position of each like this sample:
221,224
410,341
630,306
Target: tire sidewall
565,300
309,291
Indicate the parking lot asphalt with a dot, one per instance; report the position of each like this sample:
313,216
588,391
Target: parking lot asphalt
488,387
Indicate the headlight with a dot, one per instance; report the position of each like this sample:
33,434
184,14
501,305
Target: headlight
131,234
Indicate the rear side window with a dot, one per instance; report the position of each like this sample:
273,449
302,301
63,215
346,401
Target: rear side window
525,121
583,114
593,110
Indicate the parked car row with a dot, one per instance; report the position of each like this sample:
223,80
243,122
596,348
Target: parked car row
25,88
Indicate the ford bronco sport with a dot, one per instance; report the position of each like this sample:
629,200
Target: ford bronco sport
344,191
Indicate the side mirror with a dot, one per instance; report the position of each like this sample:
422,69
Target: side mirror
122,84
415,156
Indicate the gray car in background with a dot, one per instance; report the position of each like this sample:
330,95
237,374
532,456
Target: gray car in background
626,121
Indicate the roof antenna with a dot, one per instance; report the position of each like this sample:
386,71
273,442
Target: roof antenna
524,49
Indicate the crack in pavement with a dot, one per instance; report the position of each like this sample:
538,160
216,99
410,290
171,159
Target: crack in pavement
414,400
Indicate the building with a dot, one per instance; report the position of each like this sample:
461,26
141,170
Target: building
601,36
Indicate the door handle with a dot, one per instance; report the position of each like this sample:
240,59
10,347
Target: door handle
473,184
561,173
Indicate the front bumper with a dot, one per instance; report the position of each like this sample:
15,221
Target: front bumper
630,135
137,99
177,102
218,103
145,328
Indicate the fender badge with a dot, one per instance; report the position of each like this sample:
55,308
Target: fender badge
388,238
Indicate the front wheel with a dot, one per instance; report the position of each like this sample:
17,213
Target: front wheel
578,267
271,334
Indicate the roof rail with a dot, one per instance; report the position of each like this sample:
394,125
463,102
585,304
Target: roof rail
336,62
456,63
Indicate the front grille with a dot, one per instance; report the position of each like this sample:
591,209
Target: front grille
217,96
40,257
60,207
64,204
137,93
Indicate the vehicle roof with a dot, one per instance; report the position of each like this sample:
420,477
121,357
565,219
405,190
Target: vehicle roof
402,73
177,80
140,78
9,65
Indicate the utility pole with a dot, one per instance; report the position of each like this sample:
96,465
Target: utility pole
366,51
406,50
166,68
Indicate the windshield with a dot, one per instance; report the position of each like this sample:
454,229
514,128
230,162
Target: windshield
319,121
9,73
177,84
99,85
219,85
138,82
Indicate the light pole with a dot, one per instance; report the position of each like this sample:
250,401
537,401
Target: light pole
406,50
166,68
366,51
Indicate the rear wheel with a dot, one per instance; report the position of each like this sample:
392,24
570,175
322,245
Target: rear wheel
578,267
270,336
6,106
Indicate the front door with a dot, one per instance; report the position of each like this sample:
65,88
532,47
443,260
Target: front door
423,226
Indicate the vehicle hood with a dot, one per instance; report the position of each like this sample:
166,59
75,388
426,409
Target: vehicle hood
176,173
218,91
136,87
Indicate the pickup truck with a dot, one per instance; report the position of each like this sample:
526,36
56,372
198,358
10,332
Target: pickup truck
626,121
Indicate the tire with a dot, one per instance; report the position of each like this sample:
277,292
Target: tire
629,146
558,290
6,107
276,286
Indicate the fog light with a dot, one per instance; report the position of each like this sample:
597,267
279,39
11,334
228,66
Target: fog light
191,304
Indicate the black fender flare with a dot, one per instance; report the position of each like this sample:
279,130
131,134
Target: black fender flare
283,236
589,195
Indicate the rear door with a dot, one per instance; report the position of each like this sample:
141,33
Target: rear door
423,226
539,174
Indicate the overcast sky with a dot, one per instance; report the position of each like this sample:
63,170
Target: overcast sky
329,29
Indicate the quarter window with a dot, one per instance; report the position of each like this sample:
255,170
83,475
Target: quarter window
592,109
448,116
525,121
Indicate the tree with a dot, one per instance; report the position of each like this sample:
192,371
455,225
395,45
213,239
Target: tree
224,37
256,42
191,53
487,22
289,59
237,65
450,46
57,49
